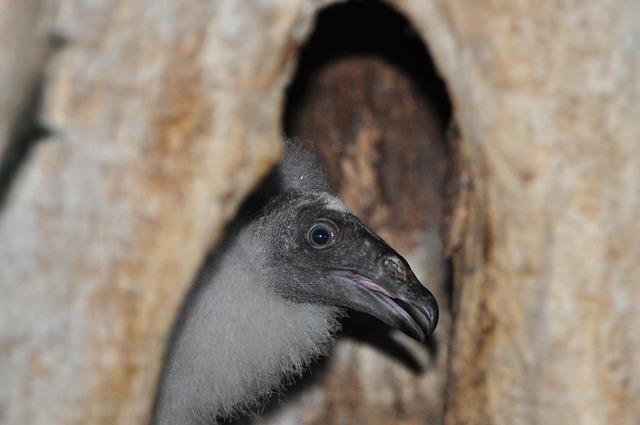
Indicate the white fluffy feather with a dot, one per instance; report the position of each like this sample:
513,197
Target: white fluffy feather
238,339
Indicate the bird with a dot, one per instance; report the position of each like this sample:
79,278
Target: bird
269,299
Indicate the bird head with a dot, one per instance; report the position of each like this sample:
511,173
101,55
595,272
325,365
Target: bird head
318,252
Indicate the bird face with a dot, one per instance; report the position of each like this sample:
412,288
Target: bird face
321,253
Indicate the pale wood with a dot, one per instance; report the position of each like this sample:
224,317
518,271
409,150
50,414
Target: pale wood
547,95
164,114
163,117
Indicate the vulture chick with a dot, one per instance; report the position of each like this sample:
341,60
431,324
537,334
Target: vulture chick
269,300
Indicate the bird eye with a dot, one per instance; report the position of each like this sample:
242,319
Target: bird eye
321,235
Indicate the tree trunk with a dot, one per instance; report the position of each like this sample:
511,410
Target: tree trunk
159,125
161,116
548,274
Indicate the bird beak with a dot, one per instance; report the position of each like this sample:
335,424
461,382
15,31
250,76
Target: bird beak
389,291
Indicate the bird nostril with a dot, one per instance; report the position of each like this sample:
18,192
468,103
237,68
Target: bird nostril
394,267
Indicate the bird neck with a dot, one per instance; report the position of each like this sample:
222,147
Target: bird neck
238,341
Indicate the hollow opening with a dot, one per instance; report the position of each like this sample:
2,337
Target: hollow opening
368,100
366,97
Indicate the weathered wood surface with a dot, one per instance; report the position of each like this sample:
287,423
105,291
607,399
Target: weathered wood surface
547,96
163,115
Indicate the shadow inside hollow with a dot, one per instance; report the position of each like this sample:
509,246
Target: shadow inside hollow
27,130
360,29
362,328
25,133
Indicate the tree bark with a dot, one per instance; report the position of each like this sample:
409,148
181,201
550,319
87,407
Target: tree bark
546,95
162,118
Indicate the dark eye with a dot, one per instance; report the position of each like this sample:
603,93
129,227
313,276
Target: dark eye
321,235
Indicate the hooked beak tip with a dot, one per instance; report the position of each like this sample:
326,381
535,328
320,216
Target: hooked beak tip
412,309
424,312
